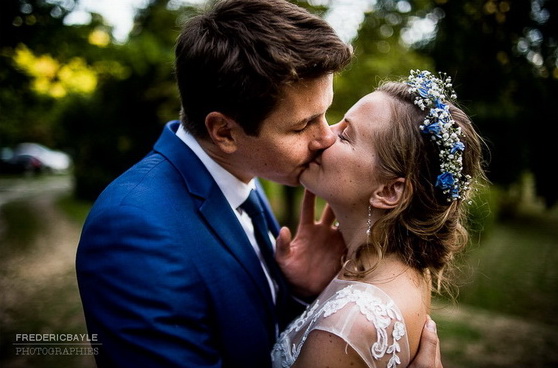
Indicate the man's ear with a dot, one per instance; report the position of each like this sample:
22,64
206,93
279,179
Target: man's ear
222,131
388,195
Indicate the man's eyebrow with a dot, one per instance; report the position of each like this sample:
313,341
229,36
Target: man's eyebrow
313,117
306,120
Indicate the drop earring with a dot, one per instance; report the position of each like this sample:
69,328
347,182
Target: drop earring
369,224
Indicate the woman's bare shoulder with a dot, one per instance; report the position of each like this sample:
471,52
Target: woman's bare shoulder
411,293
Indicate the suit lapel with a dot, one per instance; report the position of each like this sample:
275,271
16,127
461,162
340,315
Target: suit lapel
224,223
213,206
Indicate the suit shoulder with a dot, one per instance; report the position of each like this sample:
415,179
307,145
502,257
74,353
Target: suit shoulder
151,179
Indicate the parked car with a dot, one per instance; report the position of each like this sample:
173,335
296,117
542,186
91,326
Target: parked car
35,158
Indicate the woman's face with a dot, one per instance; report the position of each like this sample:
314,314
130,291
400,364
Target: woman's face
344,174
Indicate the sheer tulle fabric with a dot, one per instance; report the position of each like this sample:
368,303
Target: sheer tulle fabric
361,314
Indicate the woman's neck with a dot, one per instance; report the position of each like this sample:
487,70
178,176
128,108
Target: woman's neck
354,225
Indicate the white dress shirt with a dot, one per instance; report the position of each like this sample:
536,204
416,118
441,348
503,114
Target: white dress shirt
235,192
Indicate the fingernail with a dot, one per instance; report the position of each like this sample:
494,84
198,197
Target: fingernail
431,325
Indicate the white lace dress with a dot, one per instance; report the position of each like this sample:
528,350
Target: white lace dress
359,313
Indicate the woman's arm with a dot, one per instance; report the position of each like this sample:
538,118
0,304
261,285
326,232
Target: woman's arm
324,349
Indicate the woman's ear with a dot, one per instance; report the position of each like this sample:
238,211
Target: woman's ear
388,195
222,131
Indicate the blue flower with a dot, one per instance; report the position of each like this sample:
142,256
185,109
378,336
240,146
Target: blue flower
445,181
423,91
439,104
434,129
459,146
455,193
425,87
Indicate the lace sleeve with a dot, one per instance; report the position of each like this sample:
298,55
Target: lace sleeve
370,322
361,314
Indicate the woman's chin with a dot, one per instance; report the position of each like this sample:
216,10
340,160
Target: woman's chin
307,180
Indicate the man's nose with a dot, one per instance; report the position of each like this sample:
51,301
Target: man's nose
324,137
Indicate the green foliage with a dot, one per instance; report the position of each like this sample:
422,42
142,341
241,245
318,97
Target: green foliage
109,129
108,140
483,212
38,25
379,55
503,56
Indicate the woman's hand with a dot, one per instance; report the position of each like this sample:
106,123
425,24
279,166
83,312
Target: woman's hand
428,355
313,258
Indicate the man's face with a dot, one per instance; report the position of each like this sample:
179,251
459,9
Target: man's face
291,137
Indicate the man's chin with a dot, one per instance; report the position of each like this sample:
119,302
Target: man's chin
287,181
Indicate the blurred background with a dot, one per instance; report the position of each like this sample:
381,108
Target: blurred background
85,91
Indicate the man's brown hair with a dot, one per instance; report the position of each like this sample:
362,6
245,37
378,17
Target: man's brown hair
237,57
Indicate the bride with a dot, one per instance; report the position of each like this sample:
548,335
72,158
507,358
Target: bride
398,180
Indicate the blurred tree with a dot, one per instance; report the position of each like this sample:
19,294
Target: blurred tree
380,54
503,55
33,27
74,87
120,123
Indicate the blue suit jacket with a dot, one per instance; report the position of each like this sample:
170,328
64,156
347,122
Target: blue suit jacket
167,275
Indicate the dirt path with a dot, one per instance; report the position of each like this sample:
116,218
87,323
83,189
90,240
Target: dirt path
478,338
39,291
50,256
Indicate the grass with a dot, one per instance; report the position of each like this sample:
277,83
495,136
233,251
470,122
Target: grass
75,209
504,317
515,269
21,223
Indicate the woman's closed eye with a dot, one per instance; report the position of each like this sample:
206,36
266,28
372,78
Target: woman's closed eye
342,137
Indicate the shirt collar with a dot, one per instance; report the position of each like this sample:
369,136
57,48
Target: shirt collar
234,190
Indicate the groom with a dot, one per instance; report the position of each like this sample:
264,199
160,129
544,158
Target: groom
171,270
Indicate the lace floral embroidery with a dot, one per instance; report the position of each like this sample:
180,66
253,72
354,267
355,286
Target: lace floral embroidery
380,313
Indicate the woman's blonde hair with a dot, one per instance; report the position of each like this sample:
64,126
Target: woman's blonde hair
425,229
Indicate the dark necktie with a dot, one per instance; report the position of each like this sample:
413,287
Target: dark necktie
254,209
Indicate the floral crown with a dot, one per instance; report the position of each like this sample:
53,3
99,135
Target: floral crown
433,93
